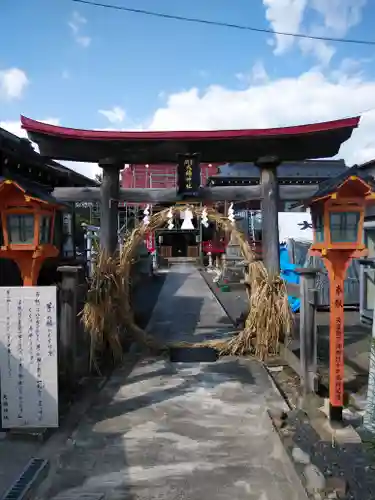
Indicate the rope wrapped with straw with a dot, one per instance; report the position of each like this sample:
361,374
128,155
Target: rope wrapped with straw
108,314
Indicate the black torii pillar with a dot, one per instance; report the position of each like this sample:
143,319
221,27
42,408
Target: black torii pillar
109,198
270,215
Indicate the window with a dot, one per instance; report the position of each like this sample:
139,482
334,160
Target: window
20,229
319,228
344,227
44,229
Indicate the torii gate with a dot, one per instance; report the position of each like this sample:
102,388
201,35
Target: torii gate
267,148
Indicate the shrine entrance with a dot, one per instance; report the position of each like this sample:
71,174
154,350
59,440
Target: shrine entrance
108,312
180,244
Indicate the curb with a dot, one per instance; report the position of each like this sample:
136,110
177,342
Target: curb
216,295
281,407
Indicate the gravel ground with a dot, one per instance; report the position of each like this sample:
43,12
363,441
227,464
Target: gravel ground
352,466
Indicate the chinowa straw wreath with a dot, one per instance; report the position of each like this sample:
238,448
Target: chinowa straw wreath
109,319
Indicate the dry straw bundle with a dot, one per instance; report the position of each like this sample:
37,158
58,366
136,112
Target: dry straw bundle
269,319
100,313
109,318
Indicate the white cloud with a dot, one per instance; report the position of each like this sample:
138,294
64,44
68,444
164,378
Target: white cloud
76,24
14,127
311,97
286,16
258,74
337,17
83,40
114,115
321,50
13,82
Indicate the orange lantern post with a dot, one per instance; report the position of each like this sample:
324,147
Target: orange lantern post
337,212
27,229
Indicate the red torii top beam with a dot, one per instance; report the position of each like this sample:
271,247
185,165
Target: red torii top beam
319,140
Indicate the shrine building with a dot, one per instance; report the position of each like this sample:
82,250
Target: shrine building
178,243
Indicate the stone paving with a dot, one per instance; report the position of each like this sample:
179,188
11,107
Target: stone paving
180,431
15,453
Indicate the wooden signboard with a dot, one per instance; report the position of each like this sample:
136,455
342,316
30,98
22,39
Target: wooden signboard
28,357
188,175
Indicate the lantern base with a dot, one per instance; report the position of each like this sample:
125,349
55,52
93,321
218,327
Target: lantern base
335,413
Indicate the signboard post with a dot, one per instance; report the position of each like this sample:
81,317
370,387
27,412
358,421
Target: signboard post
28,357
188,175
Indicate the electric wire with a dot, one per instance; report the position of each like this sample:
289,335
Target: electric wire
209,22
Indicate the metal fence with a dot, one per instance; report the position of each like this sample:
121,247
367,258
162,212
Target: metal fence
299,256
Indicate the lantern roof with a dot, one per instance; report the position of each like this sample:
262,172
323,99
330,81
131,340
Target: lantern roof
30,189
359,185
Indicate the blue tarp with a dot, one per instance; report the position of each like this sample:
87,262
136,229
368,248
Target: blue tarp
287,272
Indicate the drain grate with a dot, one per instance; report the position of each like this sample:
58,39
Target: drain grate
35,471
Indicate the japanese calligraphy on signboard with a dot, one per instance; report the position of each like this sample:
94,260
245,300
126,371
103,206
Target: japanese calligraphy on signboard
337,352
188,175
28,357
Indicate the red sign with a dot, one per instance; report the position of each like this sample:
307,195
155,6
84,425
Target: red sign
213,247
150,241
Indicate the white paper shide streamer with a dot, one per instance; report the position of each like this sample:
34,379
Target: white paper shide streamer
204,217
188,219
231,213
170,219
146,213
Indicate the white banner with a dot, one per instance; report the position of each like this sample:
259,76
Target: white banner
28,357
295,226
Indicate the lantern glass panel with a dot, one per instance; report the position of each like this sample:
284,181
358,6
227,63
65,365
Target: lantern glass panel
20,229
344,227
44,229
319,228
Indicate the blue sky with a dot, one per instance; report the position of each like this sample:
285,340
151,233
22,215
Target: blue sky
88,67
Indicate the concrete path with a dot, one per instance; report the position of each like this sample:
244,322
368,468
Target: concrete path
180,431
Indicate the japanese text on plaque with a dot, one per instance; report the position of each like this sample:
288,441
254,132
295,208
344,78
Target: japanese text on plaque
339,345
28,351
